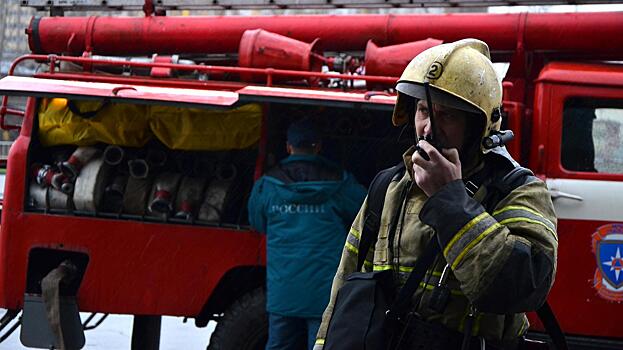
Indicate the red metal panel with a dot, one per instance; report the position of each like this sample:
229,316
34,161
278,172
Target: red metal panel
134,267
558,95
514,112
12,85
574,299
319,95
556,83
582,73
540,127
581,33
146,81
13,202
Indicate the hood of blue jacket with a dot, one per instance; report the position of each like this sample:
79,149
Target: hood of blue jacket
308,192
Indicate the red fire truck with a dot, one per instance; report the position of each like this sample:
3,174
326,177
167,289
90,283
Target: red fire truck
126,190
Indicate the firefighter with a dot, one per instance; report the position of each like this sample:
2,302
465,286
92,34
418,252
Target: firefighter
498,251
304,205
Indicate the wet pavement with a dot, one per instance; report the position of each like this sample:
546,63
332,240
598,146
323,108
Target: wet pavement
115,333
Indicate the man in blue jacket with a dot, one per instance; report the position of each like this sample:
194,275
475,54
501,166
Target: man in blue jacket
304,205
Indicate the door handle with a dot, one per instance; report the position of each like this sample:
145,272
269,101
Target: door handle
115,90
555,194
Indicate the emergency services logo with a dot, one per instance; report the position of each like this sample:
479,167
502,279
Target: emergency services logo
608,250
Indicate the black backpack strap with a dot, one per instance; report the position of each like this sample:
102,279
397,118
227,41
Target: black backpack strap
502,187
88,114
401,304
425,260
547,317
372,218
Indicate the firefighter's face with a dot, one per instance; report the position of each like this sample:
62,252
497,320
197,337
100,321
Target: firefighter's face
450,125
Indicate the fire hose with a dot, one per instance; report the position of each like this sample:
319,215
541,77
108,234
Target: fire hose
114,192
135,195
215,198
81,156
47,176
38,197
113,155
163,194
189,197
90,185
138,168
51,284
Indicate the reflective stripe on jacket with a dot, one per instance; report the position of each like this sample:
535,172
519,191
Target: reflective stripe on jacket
503,263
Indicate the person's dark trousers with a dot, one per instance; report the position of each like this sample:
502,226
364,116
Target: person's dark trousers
291,333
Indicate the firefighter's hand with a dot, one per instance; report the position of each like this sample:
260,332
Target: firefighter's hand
431,175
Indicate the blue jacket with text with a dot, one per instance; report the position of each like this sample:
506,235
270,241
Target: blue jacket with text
305,206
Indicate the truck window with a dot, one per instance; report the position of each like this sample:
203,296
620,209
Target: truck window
592,136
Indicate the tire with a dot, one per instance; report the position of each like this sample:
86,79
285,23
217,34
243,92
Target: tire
244,326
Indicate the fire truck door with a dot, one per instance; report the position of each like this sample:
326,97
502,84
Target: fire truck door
585,178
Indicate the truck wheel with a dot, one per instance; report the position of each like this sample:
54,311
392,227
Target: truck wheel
244,326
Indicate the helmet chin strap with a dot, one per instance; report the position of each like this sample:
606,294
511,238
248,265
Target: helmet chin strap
431,113
430,138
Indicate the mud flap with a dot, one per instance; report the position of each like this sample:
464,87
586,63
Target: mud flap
50,320
36,331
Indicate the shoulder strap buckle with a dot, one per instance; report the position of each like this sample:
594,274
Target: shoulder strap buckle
471,188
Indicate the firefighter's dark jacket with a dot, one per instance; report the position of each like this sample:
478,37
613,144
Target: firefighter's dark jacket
502,262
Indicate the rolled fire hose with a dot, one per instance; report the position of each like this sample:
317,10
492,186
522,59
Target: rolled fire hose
164,191
81,156
37,196
135,195
189,197
114,192
113,155
90,185
139,168
47,176
58,199
225,171
215,197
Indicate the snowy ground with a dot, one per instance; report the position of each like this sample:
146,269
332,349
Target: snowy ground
115,333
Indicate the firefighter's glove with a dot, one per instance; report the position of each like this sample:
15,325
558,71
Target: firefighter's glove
442,168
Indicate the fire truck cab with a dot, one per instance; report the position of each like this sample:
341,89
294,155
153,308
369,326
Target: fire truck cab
126,190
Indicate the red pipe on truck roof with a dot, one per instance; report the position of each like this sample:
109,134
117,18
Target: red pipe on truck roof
593,33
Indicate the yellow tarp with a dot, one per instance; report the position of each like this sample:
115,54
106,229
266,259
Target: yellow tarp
200,129
116,124
134,125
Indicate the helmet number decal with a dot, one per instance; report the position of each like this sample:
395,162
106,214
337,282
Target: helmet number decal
435,70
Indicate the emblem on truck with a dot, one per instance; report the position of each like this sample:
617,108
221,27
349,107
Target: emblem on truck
608,250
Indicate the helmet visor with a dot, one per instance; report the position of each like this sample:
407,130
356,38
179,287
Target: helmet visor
438,96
